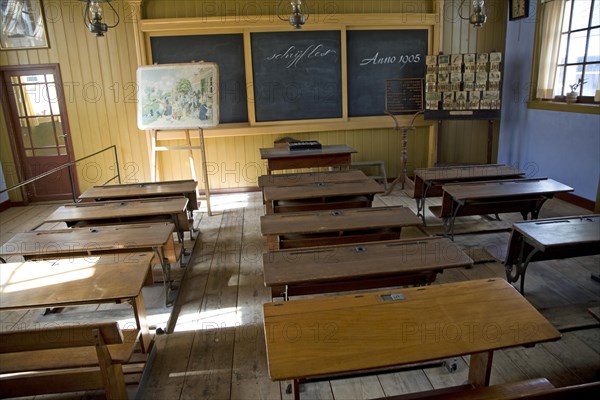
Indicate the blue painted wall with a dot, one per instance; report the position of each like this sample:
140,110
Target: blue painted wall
562,146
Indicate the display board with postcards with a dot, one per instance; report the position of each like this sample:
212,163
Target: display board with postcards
463,84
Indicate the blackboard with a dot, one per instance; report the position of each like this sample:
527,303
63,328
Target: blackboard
226,50
297,75
377,55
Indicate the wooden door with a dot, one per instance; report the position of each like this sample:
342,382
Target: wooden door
39,129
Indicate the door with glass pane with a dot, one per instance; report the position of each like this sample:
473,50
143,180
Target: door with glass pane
39,128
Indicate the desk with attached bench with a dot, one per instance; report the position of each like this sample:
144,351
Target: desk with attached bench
360,266
186,188
321,196
73,281
525,196
331,227
548,239
112,239
280,158
428,181
172,209
329,335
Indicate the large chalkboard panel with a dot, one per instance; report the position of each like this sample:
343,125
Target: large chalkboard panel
297,75
377,55
227,51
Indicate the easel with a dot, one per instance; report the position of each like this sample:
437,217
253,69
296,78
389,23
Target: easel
401,96
190,148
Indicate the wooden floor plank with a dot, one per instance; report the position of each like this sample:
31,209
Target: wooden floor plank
166,375
208,375
397,383
576,355
224,287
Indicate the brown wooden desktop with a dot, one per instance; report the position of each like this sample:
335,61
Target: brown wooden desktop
331,227
360,266
328,335
142,190
321,196
428,181
78,281
548,239
280,158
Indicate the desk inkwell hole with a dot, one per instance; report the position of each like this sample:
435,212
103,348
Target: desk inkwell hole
360,249
336,213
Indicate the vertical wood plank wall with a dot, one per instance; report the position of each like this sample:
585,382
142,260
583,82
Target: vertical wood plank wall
99,77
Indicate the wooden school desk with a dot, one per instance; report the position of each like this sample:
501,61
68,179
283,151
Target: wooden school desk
548,239
360,266
331,227
428,181
356,332
173,209
493,197
321,196
79,281
279,158
157,236
187,188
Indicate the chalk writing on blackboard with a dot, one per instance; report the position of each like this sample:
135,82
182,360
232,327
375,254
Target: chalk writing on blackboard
296,55
296,75
377,55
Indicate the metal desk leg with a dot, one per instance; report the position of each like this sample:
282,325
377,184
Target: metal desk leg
166,271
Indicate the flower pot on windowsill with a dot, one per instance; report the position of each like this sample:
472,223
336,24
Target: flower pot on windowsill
571,97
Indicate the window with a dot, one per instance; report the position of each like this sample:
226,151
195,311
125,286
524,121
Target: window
568,38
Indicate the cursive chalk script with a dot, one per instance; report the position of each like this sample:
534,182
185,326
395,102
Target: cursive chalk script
293,55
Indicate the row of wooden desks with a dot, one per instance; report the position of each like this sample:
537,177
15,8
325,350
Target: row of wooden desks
173,209
187,188
156,237
356,332
428,182
73,281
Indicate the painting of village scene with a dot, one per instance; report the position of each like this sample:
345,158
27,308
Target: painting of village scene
178,96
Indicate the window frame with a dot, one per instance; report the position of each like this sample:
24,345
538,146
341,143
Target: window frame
552,105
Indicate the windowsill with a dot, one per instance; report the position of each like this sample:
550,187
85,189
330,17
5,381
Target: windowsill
581,108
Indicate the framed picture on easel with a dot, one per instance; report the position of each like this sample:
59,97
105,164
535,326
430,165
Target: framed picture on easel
178,96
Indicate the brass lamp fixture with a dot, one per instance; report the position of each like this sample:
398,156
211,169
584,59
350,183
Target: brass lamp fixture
92,16
297,18
478,17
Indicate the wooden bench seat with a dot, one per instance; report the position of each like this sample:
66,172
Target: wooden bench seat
65,359
538,389
325,203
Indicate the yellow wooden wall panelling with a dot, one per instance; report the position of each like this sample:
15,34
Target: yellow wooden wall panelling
110,63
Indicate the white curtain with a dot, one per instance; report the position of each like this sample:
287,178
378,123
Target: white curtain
551,20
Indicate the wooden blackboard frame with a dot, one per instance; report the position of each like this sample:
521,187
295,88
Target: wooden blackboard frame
269,23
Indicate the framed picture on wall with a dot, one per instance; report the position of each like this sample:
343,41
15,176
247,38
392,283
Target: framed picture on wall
518,9
178,96
22,25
